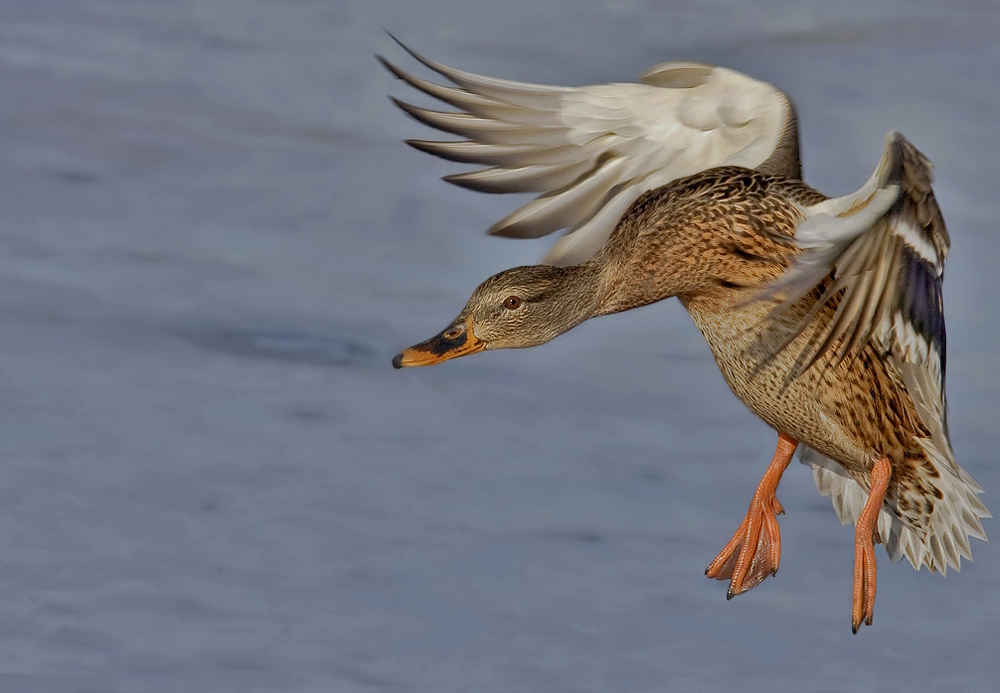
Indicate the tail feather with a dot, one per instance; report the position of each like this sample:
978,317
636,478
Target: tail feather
956,517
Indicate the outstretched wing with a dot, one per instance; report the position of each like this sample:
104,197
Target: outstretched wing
592,151
882,249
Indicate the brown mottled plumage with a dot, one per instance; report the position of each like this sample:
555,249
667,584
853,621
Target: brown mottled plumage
716,232
823,314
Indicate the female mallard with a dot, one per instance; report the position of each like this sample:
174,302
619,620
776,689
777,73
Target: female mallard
824,315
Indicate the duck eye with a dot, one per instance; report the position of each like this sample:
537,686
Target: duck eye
512,303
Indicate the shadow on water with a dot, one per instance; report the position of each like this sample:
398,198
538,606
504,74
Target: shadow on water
284,344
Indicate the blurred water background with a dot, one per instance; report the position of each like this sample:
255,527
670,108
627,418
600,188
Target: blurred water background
212,242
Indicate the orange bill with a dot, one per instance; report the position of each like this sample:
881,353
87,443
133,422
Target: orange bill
457,340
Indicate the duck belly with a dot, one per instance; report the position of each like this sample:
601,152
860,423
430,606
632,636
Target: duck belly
796,407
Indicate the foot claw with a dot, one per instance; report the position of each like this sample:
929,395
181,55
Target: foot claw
755,549
752,554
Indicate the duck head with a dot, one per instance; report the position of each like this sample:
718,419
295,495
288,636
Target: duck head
517,308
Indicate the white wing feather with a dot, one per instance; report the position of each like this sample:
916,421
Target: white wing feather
592,151
884,247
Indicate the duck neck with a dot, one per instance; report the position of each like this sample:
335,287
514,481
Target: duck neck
636,267
618,285
584,292
618,278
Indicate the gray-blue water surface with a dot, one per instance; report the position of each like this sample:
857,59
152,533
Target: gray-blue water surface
212,241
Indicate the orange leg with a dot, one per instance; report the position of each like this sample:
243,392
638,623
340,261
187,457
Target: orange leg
864,547
755,549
